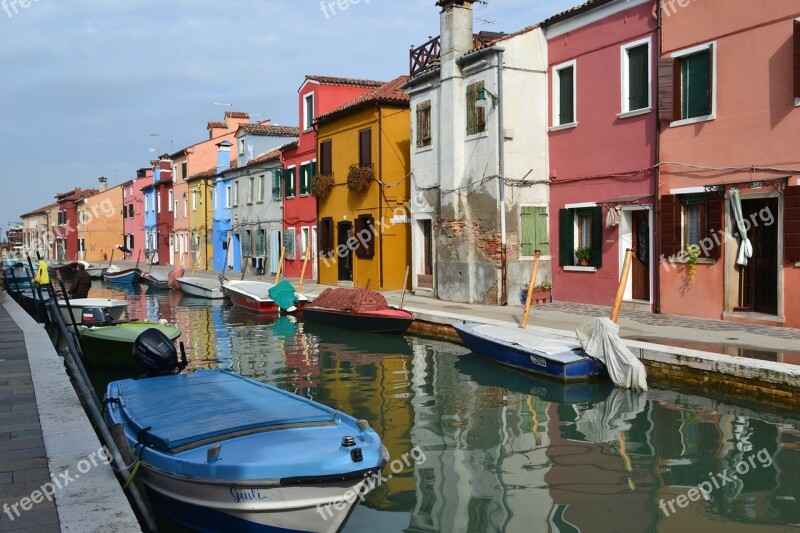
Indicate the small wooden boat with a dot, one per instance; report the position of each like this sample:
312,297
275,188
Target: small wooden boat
201,287
549,355
156,280
221,452
96,272
113,345
116,308
65,269
130,276
254,295
357,309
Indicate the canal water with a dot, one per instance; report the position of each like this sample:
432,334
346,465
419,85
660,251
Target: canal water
476,447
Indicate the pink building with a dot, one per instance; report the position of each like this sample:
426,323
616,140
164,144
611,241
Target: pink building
729,92
602,145
133,211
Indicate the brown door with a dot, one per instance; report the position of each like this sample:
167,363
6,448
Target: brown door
641,260
760,291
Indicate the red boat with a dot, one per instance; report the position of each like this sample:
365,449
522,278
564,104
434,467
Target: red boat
357,309
254,295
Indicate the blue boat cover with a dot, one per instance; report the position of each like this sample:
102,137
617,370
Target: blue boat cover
188,408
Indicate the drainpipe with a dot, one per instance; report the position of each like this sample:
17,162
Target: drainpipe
380,193
656,260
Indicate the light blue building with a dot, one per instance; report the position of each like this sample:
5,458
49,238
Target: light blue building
225,249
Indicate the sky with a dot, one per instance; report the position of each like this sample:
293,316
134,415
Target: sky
94,88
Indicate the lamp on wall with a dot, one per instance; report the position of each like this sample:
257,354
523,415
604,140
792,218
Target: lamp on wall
480,100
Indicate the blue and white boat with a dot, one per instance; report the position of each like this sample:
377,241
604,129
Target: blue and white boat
131,276
220,452
550,355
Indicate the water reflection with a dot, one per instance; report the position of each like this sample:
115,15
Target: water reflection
505,451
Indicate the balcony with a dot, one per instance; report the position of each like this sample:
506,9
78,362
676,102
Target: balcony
426,57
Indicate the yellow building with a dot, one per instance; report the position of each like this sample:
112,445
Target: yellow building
363,218
100,225
201,217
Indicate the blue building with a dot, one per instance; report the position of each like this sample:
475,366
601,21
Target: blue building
226,250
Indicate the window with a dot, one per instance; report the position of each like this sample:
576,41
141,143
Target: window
261,182
304,241
365,236
307,171
130,210
289,242
261,241
580,228
686,85
185,206
146,206
194,200
125,212
797,62
326,244
424,124
251,190
184,170
533,225
246,243
228,196
476,116
365,148
235,193
158,201
564,94
290,178
276,184
636,76
691,219
241,146
131,241
308,111
326,158
176,209
170,196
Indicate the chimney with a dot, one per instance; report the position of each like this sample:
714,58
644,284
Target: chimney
456,28
103,181
223,156
165,165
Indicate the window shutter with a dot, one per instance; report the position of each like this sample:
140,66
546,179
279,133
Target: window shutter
714,224
325,162
566,237
566,84
359,225
365,148
313,170
791,223
666,90
597,237
797,58
670,225
638,61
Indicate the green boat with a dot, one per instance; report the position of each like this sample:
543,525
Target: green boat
113,345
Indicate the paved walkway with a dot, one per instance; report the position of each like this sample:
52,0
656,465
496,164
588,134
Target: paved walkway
731,338
23,461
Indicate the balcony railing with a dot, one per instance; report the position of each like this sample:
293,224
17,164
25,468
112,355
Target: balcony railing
426,56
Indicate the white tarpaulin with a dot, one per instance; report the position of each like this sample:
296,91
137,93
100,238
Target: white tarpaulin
745,247
600,339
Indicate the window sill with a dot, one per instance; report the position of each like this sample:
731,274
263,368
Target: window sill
564,126
260,202
476,136
531,258
427,148
579,269
694,120
303,194
636,113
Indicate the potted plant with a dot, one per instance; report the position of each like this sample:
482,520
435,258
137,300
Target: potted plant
583,255
541,293
359,178
321,185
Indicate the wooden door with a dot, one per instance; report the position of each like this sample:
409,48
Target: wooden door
640,277
760,291
345,260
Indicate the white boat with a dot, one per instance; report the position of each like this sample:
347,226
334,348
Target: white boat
255,296
95,272
116,308
201,287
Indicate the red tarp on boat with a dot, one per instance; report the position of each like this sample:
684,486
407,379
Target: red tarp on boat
356,300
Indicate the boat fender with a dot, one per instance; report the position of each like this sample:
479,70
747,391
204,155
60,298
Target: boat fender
362,424
356,456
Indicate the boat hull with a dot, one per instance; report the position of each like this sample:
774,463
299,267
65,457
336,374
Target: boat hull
96,272
389,321
116,308
110,352
132,276
156,282
201,288
241,295
568,368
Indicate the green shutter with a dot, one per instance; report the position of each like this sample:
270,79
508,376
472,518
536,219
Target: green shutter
696,85
288,175
566,78
566,237
528,232
638,62
313,170
597,237
542,239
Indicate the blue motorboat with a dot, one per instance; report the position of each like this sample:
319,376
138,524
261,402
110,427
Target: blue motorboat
220,452
130,276
557,357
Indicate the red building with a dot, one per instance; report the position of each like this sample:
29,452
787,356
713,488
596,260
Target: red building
65,243
318,95
165,213
603,131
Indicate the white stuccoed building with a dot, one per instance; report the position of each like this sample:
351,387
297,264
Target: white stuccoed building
465,246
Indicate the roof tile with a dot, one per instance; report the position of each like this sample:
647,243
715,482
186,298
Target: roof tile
390,92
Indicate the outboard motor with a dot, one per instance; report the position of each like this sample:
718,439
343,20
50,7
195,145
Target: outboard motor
156,355
96,316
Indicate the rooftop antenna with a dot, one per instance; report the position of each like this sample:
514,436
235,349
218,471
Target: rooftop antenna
485,19
222,103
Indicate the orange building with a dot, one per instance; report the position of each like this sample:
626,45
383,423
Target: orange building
100,223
